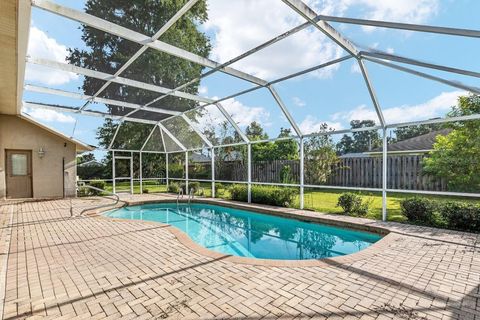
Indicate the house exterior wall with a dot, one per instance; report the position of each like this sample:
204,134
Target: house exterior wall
47,172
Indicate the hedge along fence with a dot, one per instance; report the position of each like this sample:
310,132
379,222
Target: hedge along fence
404,172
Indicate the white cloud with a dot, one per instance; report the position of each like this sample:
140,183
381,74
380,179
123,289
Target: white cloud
40,45
49,115
298,102
411,11
203,90
435,107
407,11
311,124
390,50
355,68
244,115
241,25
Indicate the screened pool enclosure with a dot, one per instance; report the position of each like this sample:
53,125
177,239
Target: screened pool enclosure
200,136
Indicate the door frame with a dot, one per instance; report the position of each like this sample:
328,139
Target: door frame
30,168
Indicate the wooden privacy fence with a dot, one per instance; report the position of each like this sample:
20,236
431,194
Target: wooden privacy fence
403,172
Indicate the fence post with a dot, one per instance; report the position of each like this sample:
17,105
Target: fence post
213,171
131,172
384,175
140,173
302,170
113,172
166,169
186,173
249,173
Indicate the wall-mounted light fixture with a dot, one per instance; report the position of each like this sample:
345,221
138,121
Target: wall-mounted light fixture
41,153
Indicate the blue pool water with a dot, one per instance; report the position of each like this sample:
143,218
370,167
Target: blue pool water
250,234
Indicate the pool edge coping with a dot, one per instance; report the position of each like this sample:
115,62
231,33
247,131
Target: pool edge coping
363,225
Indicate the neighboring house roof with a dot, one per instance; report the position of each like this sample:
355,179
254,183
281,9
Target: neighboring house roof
81,147
423,143
198,157
91,163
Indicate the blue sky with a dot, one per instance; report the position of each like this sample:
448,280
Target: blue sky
335,95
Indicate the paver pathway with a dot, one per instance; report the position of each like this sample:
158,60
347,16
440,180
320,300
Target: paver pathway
69,267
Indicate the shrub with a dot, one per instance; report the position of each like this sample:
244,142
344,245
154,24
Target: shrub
418,209
276,196
219,188
461,216
286,174
195,185
238,192
145,190
82,192
100,184
176,170
173,187
352,203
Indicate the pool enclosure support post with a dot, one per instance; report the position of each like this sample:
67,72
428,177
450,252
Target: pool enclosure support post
186,173
249,173
131,172
113,172
384,175
302,170
140,172
166,169
213,171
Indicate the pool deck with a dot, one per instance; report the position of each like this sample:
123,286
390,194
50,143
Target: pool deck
57,264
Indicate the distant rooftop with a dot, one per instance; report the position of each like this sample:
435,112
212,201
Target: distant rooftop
421,143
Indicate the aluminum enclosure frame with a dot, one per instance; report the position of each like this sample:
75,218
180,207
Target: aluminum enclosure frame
313,19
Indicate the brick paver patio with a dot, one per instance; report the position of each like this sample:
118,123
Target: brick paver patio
63,266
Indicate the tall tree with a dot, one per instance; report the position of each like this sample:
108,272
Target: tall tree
255,131
346,145
107,53
260,151
85,158
404,133
365,140
285,149
359,141
320,157
455,156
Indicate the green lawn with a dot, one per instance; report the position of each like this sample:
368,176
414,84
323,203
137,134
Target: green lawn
326,201
320,200
125,187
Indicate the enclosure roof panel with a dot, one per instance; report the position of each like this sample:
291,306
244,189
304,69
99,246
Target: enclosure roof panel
205,71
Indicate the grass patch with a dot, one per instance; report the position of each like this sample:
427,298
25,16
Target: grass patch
326,201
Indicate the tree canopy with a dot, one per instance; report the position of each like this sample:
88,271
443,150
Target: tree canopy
320,157
361,141
268,151
107,53
456,156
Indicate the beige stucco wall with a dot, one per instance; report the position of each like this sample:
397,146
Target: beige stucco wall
16,133
14,29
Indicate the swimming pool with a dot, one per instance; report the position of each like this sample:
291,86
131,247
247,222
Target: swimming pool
250,234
